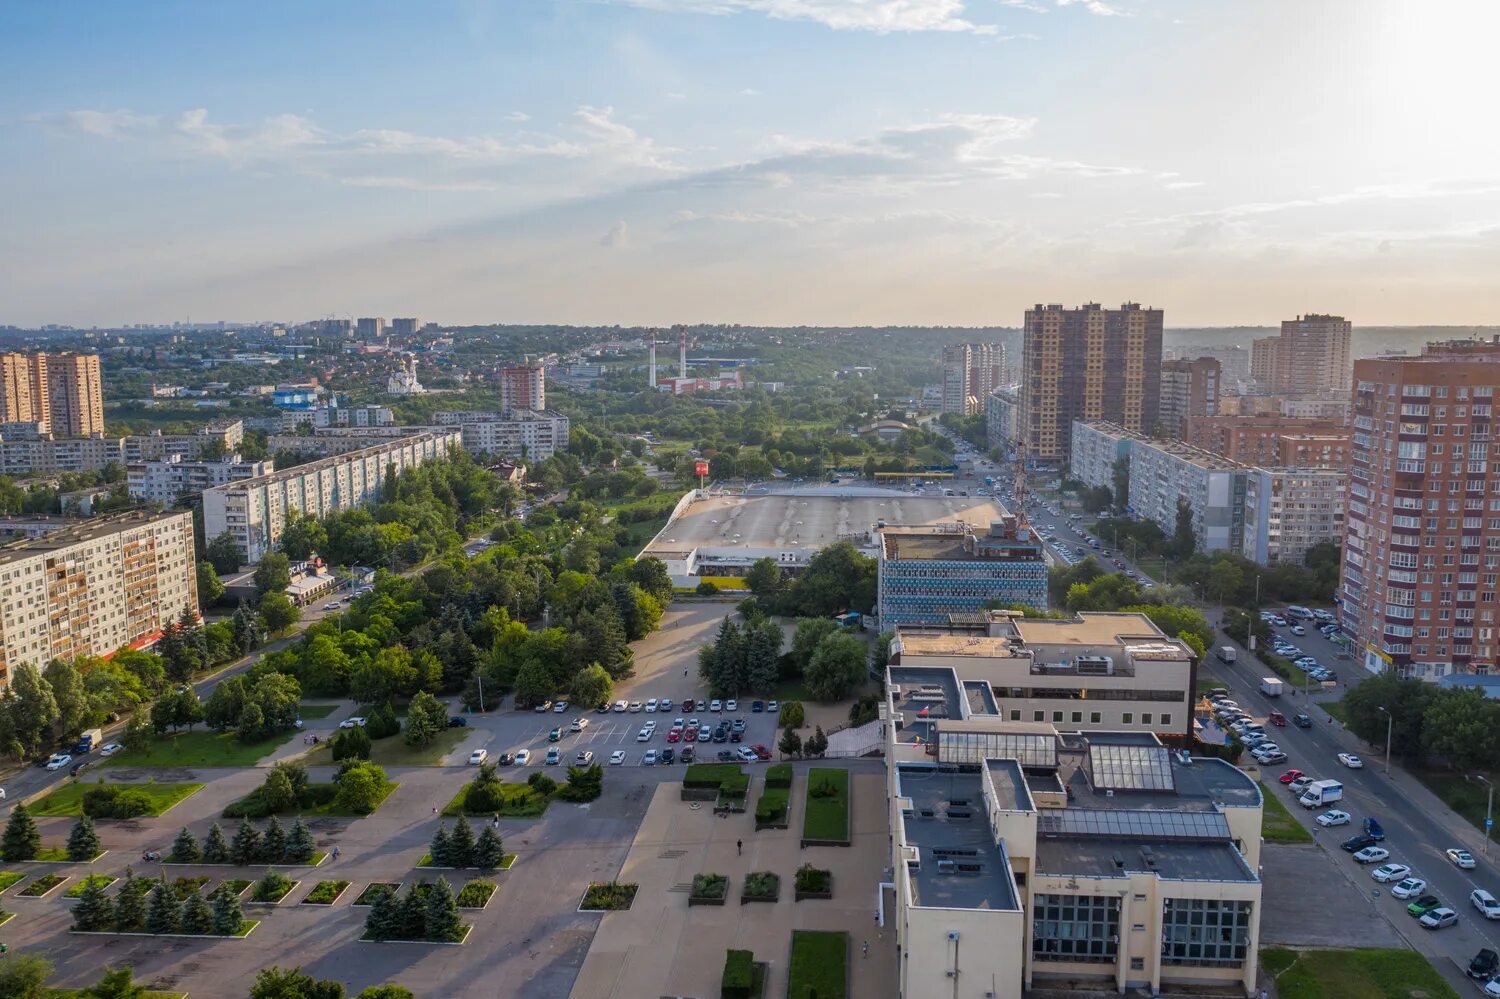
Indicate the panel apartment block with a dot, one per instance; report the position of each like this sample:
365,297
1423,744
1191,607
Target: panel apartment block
1256,440
95,587
254,511
1088,363
167,480
1289,510
1096,448
1163,472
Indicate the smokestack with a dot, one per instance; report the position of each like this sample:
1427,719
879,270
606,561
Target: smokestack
682,351
653,359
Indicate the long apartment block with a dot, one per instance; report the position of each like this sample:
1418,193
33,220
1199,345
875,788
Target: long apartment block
92,588
254,511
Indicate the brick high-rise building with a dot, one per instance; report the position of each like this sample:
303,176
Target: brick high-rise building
1188,388
1422,533
370,328
1088,363
1257,440
523,386
1310,357
406,326
62,392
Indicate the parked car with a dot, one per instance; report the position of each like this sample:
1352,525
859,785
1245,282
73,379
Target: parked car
772,707
1386,873
58,760
560,707
731,705
664,705
110,749
555,735
725,756
505,759
761,752
1436,919
756,707
1484,964
636,706
1485,903
1462,859
1373,828
543,707
617,757
357,721
1290,776
579,724
78,768
457,721
554,756
1423,904
667,756
716,705
1356,843
523,757
621,707
1334,817
1409,888
748,755
1272,758
478,756
651,705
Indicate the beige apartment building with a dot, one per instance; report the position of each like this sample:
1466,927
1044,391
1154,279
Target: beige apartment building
1311,356
92,588
1084,364
1188,388
61,392
1023,857
1096,672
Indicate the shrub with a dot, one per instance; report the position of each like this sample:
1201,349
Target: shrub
779,775
609,895
706,589
739,975
110,801
325,892
813,879
793,715
584,784
272,887
710,886
762,884
706,775
475,894
382,722
735,787
541,784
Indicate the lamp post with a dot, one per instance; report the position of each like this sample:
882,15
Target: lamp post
1389,721
1489,808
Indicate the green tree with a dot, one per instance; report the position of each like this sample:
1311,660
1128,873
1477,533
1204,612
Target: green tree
273,574
1184,540
442,923
792,714
837,666
185,848
249,633
425,720
383,921
245,848
27,710
278,613
197,915
130,903
138,733
223,708
94,911
22,839
766,580
461,844
302,536
805,640
762,655
1460,726
386,992
210,587
360,788
790,744
300,846
441,847
215,849
591,686
228,916
83,841
1407,702
817,743
164,912
489,849
68,693
533,683
351,744
225,554
273,843
24,976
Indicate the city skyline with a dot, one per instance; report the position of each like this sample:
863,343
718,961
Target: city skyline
937,162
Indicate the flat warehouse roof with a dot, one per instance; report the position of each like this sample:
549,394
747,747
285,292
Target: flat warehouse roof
1187,861
811,519
951,824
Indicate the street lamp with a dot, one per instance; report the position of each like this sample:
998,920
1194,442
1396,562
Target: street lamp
1489,808
1389,720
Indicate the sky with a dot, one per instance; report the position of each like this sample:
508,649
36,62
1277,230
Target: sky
787,162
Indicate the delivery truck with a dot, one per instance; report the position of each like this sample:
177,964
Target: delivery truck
89,741
1272,686
1320,793
1226,653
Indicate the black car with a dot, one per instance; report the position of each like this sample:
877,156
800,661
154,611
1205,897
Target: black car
668,755
1356,843
79,768
1484,964
458,721
721,735
736,736
505,759
602,709
725,756
1302,721
756,707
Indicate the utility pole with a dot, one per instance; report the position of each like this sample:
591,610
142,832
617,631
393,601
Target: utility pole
1489,809
1389,721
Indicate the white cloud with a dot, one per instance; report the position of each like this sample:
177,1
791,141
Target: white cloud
881,16
518,116
1098,7
618,236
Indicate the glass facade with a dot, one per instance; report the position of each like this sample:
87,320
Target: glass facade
1075,928
1205,931
914,592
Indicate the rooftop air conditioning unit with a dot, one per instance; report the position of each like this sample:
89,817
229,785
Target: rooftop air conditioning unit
914,862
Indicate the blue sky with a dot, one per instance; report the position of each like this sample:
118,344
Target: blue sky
757,161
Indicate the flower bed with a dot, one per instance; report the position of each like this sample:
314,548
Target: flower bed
812,882
42,886
78,888
761,886
476,894
325,893
234,887
272,888
608,896
185,886
375,888
709,889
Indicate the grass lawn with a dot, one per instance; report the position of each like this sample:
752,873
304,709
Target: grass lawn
521,802
83,994
102,880
58,855
777,799
200,749
819,962
310,712
1277,824
1207,684
68,799
392,751
1335,708
827,817
8,878
1353,974
1467,798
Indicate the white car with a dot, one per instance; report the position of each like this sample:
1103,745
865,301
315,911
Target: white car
579,724
748,755
1409,888
1390,872
357,721
478,756
333,605
1372,855
1334,817
523,757
649,760
731,705
560,707
1485,903
58,760
1266,749
1461,858
621,707
584,758
651,706
617,757
716,705
644,735
108,749
1351,761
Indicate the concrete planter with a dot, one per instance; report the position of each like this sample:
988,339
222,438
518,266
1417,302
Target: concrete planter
798,896
283,898
700,794
425,943
701,900
760,898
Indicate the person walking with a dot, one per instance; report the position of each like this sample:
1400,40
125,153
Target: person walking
739,846
335,853
867,948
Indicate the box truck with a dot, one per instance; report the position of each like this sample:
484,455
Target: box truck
1226,653
1272,686
1320,793
89,741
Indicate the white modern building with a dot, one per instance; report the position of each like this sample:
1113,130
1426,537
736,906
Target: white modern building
1289,510
254,511
166,480
93,588
1001,415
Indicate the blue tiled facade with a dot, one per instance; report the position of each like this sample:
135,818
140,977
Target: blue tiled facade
926,591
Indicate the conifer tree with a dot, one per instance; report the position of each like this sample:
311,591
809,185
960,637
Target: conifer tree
441,848
299,844
215,848
22,840
461,844
273,842
443,923
130,903
197,915
245,849
185,848
164,911
489,850
94,911
228,916
83,841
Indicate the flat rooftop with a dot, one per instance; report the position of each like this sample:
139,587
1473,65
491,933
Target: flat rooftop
1111,857
1089,628
1090,631
981,698
930,689
1200,786
1008,781
958,830
811,518
322,464
81,531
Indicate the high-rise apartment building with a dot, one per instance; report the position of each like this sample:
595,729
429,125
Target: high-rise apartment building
971,371
1310,357
93,588
61,392
1422,535
957,364
1257,440
1088,363
407,326
523,386
370,327
1188,388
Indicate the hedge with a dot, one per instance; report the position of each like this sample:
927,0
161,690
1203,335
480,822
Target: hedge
779,775
735,787
710,775
739,974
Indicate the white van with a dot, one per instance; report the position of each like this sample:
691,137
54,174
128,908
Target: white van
1299,613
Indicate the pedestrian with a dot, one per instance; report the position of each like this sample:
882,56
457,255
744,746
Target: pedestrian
739,846
867,948
335,853
434,809
684,671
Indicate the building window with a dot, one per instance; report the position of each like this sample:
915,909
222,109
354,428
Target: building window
1057,717
1039,716
1204,931
1145,718
1015,714
1094,718
1137,964
1078,718
1075,928
1166,720
1128,718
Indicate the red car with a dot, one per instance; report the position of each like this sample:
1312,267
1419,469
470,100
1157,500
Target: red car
675,735
761,752
691,735
1290,776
